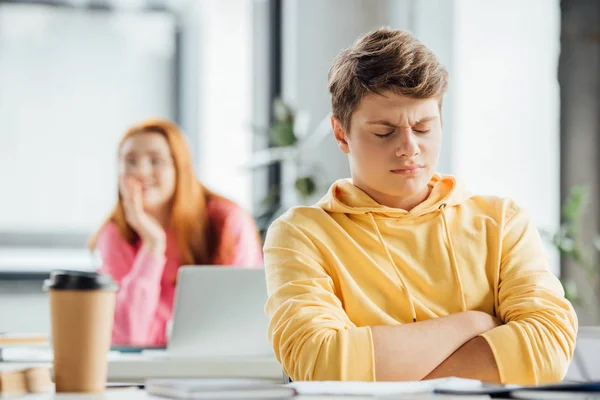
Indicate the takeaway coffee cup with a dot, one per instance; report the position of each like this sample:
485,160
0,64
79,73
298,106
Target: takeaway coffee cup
82,309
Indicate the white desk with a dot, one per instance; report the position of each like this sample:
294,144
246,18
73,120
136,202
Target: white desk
136,368
135,395
126,394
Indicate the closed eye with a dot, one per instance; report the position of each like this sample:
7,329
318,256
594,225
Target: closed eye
384,135
421,131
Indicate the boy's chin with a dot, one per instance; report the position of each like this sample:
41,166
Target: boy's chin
409,187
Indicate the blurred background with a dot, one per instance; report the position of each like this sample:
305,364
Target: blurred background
247,82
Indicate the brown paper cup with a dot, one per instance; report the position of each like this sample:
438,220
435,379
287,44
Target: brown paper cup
82,321
38,379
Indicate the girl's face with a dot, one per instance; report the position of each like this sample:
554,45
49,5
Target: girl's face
146,157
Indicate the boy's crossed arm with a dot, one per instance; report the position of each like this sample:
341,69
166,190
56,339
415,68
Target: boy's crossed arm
435,348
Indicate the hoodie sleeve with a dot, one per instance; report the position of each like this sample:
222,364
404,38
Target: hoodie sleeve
312,336
139,276
537,341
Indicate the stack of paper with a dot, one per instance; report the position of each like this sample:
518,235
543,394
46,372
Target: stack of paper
18,343
217,389
22,339
381,388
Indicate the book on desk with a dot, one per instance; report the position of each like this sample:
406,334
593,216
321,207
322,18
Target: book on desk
253,388
22,339
11,343
218,389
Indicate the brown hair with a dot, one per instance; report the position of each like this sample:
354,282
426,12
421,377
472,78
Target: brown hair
189,219
384,59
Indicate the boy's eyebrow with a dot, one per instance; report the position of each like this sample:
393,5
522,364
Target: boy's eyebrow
393,125
426,119
382,122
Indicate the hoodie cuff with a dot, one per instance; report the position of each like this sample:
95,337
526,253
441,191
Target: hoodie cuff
361,358
512,354
358,359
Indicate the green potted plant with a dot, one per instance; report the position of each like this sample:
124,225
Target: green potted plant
571,244
299,180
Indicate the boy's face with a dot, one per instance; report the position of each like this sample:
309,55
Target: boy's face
393,144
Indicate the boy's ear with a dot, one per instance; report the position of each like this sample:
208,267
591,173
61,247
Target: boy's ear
339,133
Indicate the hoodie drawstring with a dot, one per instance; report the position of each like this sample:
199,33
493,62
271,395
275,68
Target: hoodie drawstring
453,261
389,255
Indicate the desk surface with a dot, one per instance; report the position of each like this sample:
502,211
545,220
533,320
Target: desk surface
139,367
123,394
135,368
132,368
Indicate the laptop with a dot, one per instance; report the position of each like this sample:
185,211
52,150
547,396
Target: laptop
219,312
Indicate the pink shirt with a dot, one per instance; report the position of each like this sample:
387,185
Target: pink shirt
145,298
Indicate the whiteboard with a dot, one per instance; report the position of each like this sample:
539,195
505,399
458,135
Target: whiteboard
71,82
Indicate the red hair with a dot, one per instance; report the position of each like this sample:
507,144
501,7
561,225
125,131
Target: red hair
189,219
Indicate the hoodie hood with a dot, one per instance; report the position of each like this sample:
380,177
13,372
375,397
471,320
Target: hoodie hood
344,197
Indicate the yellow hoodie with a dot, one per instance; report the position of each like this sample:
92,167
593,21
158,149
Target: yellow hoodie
338,268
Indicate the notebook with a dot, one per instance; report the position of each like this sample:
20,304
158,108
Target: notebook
351,388
20,339
11,343
218,389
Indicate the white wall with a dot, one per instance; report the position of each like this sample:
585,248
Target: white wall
225,98
71,83
24,307
506,105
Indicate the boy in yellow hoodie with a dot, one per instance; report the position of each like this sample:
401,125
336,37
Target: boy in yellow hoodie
399,273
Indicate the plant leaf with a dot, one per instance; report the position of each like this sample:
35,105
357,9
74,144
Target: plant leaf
282,134
571,292
271,197
281,111
597,242
575,202
306,186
